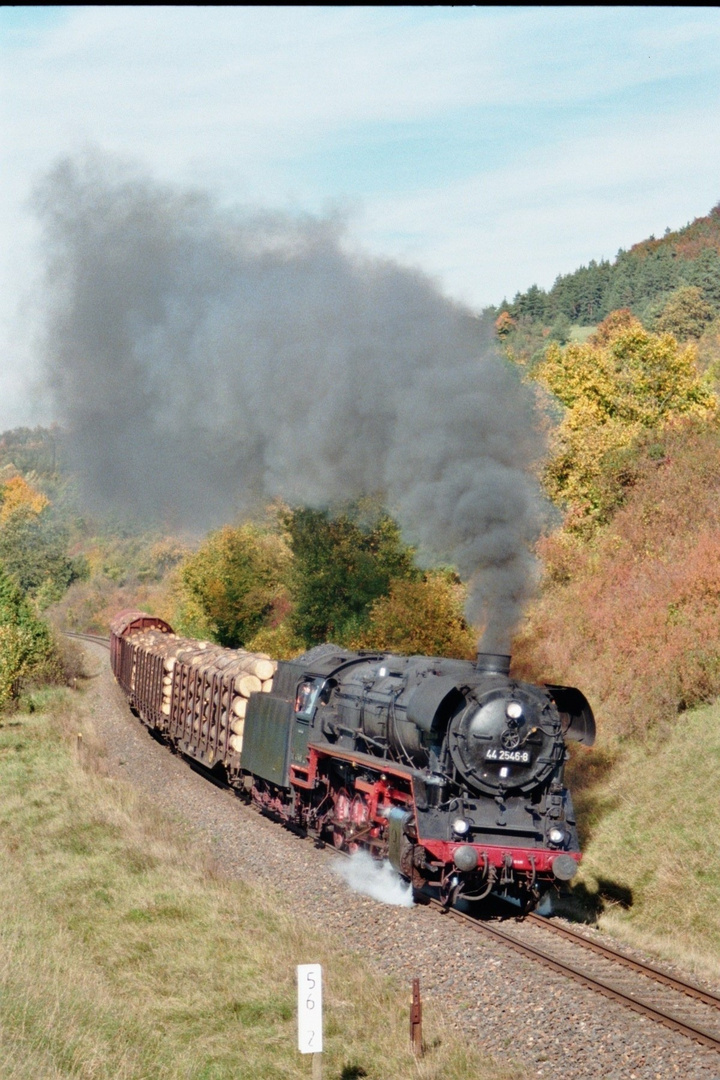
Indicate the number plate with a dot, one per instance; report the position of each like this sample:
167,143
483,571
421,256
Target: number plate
514,757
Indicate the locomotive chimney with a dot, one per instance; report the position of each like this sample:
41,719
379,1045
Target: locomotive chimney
493,663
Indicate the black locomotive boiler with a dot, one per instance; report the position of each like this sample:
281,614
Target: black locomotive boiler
452,770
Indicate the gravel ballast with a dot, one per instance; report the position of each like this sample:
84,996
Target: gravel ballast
513,1008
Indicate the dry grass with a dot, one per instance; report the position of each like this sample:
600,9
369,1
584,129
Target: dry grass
124,955
652,861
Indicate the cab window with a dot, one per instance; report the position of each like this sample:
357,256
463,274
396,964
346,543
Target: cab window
306,697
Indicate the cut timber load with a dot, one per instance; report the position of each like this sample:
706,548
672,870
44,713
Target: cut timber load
201,689
247,685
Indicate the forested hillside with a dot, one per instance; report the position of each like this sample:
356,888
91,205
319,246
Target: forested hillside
641,278
671,285
629,602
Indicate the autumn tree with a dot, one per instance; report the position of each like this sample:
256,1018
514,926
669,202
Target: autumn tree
615,323
504,324
625,383
17,494
234,584
421,616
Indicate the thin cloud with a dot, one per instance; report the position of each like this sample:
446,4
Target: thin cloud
596,124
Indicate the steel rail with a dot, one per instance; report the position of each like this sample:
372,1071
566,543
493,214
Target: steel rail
652,972
96,639
698,1034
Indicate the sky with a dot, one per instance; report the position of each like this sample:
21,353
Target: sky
492,148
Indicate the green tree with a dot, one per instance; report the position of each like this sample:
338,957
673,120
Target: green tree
686,314
342,563
33,550
25,642
235,584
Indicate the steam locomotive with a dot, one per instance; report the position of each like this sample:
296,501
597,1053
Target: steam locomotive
451,770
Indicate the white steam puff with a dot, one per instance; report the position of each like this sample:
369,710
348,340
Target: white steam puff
378,880
204,360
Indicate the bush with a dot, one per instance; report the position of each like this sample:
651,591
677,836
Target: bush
633,615
26,647
421,617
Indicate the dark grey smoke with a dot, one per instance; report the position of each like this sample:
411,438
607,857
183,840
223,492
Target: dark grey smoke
203,360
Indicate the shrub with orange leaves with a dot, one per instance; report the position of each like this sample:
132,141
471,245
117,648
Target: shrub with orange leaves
633,616
504,323
617,322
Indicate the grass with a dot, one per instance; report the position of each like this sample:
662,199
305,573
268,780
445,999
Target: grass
125,955
580,334
652,861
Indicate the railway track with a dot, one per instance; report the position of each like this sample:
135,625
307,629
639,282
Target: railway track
677,1004
653,993
96,639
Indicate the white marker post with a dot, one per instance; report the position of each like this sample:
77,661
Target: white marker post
310,1030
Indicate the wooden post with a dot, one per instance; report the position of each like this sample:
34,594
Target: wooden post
317,1067
416,1019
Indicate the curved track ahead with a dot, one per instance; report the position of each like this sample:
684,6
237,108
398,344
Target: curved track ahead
96,639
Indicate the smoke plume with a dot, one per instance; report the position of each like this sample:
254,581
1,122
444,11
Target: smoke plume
203,360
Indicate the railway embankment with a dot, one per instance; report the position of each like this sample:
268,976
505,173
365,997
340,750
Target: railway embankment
653,826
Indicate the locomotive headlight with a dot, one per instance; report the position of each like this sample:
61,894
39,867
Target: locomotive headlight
460,826
513,710
556,834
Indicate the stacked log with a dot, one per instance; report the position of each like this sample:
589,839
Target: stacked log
254,675
226,678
